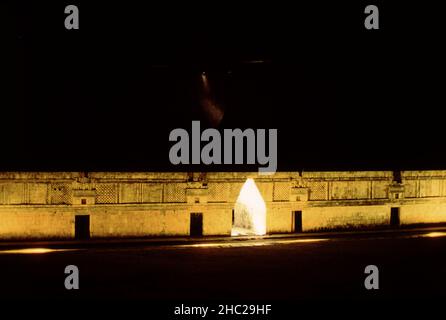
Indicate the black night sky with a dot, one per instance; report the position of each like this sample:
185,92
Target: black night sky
105,97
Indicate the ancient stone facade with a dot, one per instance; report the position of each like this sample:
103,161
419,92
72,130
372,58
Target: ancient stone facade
120,204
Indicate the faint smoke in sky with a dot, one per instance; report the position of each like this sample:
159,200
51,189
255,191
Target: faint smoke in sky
212,111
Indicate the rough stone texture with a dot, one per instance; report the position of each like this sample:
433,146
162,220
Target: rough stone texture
131,222
433,212
217,221
278,219
320,218
135,204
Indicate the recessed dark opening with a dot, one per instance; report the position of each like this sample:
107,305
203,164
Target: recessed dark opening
82,227
395,217
297,221
196,224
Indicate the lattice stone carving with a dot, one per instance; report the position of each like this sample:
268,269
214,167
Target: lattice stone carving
282,191
218,192
106,193
60,193
174,192
318,190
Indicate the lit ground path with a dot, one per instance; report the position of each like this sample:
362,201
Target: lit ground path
412,265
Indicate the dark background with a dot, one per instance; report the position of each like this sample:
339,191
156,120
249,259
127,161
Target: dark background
105,97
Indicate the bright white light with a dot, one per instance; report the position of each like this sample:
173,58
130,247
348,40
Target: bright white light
250,209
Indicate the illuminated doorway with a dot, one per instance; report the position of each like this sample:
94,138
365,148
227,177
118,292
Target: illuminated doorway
249,215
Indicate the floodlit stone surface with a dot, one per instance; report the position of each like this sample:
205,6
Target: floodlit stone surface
137,204
250,210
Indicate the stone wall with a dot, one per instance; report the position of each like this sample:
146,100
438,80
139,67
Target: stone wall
137,204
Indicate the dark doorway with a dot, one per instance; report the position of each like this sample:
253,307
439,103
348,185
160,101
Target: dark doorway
395,217
297,221
196,224
82,227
